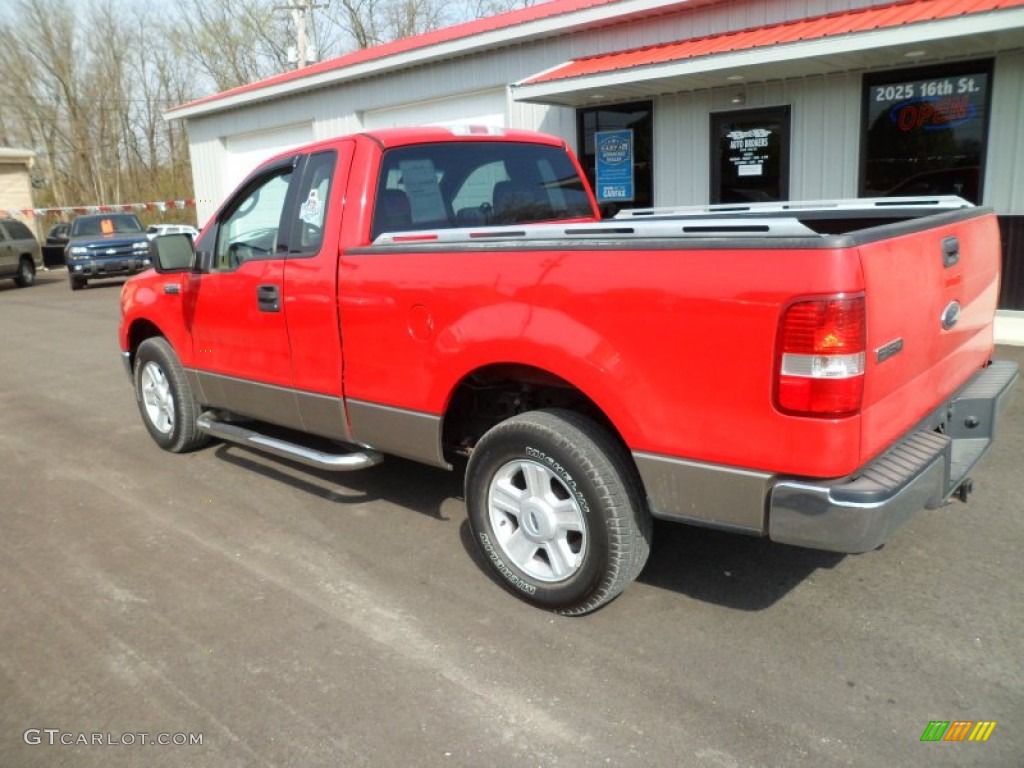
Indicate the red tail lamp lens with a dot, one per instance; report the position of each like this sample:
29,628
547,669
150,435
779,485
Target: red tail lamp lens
821,357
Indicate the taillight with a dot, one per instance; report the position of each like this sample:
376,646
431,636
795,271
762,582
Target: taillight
821,356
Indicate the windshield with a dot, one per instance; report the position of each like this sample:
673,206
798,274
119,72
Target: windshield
107,224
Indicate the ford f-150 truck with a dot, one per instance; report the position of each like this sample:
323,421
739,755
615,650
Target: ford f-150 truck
813,373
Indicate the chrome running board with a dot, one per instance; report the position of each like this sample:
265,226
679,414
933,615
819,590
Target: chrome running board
361,458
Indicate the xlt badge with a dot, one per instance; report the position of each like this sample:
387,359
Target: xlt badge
886,351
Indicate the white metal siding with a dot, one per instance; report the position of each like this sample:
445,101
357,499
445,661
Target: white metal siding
247,150
825,139
1004,171
557,121
208,158
486,108
682,135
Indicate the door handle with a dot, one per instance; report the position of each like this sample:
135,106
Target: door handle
269,298
950,251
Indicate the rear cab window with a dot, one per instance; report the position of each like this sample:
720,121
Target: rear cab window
469,184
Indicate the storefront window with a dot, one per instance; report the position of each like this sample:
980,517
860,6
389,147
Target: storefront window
750,155
925,131
615,150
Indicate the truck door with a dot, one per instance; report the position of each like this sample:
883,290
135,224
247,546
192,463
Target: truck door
240,337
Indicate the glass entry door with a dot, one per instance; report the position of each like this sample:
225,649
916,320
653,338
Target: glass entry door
750,156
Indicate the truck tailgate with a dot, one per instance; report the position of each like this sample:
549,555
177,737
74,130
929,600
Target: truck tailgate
931,291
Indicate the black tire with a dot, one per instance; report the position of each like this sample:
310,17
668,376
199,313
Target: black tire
77,283
556,506
26,275
168,407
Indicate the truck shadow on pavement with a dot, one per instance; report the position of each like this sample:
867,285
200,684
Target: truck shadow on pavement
739,572
728,569
397,481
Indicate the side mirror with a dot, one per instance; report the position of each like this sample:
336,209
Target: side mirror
172,253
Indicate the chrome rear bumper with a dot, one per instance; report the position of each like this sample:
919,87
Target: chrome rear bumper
920,471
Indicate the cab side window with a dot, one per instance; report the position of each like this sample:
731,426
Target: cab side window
251,227
309,209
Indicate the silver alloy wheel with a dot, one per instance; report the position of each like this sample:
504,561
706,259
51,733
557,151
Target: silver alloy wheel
537,521
157,397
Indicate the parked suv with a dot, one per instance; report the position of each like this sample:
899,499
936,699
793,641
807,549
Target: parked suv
19,252
106,245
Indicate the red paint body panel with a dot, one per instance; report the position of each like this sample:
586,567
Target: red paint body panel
230,336
676,347
908,289
144,302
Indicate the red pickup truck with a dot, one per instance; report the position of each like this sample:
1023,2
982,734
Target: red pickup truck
813,373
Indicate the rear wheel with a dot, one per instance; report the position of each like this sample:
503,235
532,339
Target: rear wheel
26,275
169,409
556,507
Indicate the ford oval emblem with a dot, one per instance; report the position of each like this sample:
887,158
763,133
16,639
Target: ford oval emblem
950,315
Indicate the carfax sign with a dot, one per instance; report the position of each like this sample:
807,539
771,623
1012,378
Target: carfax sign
614,151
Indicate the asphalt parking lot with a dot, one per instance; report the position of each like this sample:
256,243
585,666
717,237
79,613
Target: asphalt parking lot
293,618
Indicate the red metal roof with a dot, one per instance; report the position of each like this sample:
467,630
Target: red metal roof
448,34
844,23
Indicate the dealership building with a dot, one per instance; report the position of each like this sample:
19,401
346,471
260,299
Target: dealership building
688,103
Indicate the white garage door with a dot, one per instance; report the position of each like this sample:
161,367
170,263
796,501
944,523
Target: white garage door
247,150
482,108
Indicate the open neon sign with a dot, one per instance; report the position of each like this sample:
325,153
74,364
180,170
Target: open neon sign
932,114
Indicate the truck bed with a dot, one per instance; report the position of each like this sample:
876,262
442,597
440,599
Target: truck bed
695,318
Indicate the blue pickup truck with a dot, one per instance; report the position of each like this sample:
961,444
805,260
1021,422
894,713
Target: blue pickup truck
105,245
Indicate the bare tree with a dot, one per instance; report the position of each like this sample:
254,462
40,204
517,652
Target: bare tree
479,8
87,82
47,96
364,23
93,110
233,42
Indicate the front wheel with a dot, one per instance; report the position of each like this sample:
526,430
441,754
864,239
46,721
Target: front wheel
556,507
168,407
26,273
